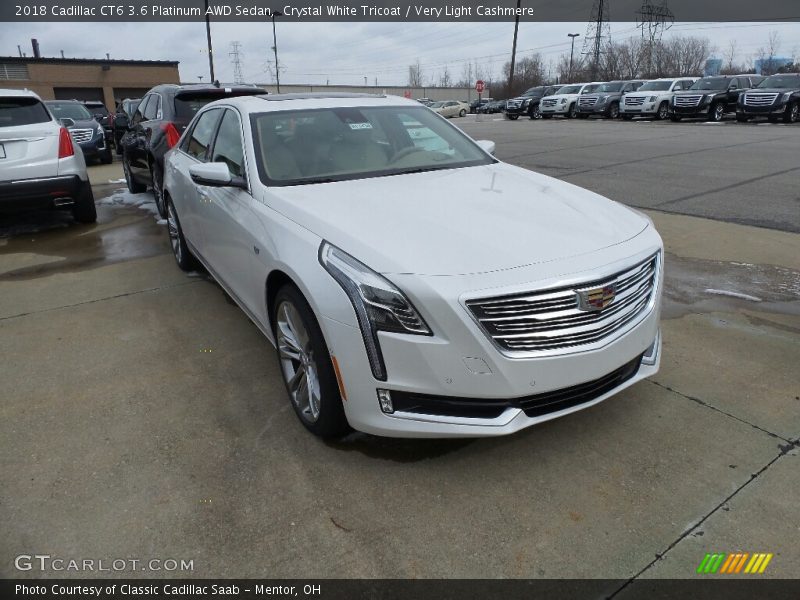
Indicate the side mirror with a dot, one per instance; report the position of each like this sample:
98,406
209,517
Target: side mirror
487,146
215,174
67,122
99,117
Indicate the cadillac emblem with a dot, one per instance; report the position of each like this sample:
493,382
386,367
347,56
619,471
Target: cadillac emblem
596,298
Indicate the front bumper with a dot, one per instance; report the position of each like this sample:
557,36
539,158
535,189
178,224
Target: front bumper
558,109
46,192
774,110
693,112
646,108
460,364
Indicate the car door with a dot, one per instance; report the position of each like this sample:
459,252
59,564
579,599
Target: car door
134,143
191,199
140,166
734,89
230,224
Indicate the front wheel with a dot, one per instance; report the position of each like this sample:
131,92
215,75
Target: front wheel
463,113
717,112
573,111
535,113
306,365
107,158
792,113
663,111
613,111
134,187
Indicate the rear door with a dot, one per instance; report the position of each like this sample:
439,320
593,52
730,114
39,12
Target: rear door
28,139
142,133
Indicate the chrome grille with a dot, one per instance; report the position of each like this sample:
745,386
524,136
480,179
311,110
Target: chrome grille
688,101
513,103
549,102
549,320
760,99
634,100
587,101
81,135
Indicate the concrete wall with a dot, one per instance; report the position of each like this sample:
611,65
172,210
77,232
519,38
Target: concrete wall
47,74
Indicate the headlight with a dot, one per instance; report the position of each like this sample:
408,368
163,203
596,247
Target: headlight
379,305
787,96
563,101
652,98
526,103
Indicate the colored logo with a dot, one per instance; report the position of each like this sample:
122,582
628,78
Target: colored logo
735,563
597,298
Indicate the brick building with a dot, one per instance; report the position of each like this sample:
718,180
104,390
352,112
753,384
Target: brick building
85,79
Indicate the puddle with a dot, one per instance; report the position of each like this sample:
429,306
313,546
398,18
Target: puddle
703,286
122,233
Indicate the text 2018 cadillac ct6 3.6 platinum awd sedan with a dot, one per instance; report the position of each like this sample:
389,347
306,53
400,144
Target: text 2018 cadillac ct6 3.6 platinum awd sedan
413,285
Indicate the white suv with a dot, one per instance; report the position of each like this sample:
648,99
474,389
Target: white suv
565,101
39,164
653,98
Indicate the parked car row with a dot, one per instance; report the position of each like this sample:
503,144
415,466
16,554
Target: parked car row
746,96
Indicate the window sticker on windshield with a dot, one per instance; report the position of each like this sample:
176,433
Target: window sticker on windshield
357,126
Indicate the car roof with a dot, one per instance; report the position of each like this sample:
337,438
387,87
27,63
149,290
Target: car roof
63,102
279,102
199,87
23,93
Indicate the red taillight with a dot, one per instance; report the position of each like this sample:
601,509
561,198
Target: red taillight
172,134
65,147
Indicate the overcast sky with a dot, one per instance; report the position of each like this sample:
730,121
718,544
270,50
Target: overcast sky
345,53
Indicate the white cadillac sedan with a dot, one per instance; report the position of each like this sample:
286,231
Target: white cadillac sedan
413,285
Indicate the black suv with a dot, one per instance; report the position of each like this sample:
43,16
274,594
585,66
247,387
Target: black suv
157,125
102,116
604,101
122,118
776,97
711,97
528,103
83,127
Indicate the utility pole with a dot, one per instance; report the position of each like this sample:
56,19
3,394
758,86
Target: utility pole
277,13
514,51
235,54
598,30
572,54
210,49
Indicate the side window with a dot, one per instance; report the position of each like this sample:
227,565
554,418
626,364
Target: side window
734,85
200,138
138,116
687,84
228,145
151,109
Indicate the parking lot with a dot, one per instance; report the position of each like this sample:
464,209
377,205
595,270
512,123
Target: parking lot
144,415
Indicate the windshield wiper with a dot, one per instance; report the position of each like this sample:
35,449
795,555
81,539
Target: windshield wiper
312,181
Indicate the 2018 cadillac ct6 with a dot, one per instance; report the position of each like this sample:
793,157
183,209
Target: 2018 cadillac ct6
412,284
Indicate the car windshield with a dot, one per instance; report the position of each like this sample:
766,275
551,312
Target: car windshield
15,111
781,82
98,109
590,88
69,110
437,104
615,86
335,144
570,89
655,86
533,91
711,83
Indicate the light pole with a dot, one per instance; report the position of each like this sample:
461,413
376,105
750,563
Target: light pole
572,53
277,13
210,50
514,51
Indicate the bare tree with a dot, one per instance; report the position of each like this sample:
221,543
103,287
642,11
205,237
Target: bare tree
766,54
528,72
445,80
415,78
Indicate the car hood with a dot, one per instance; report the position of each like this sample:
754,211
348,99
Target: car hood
85,124
458,221
559,96
773,90
700,92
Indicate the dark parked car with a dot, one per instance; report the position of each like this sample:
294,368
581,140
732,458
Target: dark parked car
711,97
777,97
122,118
157,125
83,127
528,103
604,101
102,116
475,104
495,106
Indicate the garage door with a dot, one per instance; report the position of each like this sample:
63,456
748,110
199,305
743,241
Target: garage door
79,93
122,93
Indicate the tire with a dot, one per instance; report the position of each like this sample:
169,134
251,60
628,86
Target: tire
627,117
535,113
107,158
512,117
675,118
304,359
717,112
134,187
663,111
613,110
573,111
157,183
180,249
463,113
792,113
544,116
84,209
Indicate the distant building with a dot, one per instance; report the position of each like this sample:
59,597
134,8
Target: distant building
106,80
771,65
713,67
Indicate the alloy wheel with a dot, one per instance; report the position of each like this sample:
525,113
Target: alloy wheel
719,112
174,233
613,112
298,363
794,113
158,193
663,111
